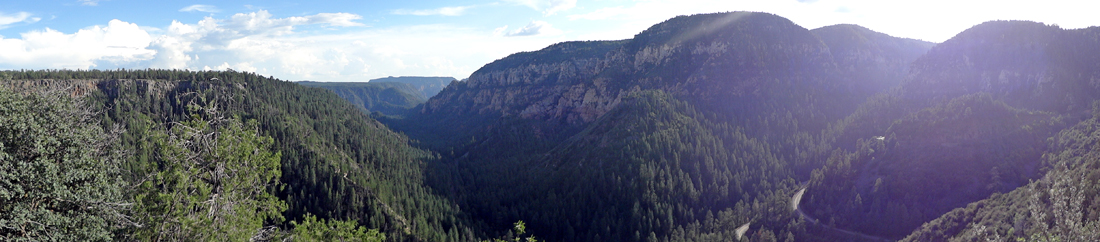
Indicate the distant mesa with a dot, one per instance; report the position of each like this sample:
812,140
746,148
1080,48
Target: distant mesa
389,95
427,85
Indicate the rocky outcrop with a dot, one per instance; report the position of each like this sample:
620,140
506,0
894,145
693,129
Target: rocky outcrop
568,90
82,87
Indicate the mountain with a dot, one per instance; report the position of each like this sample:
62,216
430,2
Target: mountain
1060,77
427,86
972,119
873,62
392,98
694,127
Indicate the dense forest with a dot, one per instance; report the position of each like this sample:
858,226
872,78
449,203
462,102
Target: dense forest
426,85
188,142
383,97
386,96
709,127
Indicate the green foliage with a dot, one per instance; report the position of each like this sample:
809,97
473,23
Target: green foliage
553,54
59,176
930,162
1061,206
519,229
213,182
312,229
336,162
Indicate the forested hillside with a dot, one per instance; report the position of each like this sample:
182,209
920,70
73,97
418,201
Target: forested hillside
871,61
972,119
427,85
324,158
391,98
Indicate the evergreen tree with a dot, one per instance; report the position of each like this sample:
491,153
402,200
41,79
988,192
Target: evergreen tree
59,176
214,182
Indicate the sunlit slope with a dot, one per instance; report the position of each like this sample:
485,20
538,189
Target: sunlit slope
1059,206
971,119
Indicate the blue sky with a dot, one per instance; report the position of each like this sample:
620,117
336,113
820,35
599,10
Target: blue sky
362,40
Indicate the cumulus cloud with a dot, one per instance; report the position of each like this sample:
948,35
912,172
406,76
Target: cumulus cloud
548,7
218,39
534,28
291,48
200,8
444,11
121,44
118,42
20,17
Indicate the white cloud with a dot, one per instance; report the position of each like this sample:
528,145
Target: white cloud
335,19
268,45
500,31
200,8
89,2
20,17
261,22
242,37
444,11
118,42
255,42
534,28
548,7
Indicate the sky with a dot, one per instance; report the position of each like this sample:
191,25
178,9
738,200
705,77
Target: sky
363,40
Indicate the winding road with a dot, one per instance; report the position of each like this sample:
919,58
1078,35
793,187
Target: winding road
855,236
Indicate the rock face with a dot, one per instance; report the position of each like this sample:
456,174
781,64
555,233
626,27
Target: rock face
82,87
535,87
741,63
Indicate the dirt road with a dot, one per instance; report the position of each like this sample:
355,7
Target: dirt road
855,236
